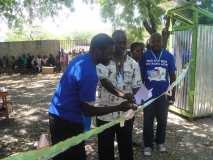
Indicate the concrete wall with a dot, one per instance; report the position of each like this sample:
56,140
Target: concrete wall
43,47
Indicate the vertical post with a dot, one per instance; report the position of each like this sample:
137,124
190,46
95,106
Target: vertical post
193,61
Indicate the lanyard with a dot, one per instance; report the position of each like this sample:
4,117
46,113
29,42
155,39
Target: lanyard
153,54
120,69
120,75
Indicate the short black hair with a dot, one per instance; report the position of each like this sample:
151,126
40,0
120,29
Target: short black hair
137,44
101,41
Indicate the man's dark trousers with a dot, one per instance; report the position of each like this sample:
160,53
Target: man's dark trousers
124,139
60,130
158,110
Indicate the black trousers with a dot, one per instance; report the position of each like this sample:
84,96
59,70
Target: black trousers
60,130
158,110
124,139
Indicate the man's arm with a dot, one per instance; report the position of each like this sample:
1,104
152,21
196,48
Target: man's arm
111,88
115,91
90,110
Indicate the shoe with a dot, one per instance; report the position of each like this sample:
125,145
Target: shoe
147,151
161,147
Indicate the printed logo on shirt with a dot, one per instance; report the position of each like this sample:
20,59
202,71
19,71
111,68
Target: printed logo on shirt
157,74
151,62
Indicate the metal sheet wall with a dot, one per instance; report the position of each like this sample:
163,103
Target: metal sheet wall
203,102
182,42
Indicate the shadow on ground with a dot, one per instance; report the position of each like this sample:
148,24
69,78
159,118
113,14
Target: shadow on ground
31,94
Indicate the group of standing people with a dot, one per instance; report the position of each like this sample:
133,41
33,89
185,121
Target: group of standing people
102,83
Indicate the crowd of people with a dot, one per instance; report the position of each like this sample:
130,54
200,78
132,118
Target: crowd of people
102,83
27,63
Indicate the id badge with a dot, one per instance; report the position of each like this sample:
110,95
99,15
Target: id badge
120,80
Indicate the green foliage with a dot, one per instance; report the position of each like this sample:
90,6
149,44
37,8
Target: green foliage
128,14
18,12
131,15
28,33
36,32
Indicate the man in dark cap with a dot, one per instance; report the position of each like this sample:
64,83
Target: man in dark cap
75,94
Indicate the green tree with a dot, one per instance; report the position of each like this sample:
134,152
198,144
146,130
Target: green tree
135,15
18,12
36,32
28,33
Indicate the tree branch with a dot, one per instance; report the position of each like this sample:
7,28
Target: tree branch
147,26
150,24
165,32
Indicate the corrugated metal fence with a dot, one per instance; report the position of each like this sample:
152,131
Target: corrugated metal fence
203,102
182,41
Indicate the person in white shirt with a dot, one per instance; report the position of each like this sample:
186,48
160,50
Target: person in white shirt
124,73
36,64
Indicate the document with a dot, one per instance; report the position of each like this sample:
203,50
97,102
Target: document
142,94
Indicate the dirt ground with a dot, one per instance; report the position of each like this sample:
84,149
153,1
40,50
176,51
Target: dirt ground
31,94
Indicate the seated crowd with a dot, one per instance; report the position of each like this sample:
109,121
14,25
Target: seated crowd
27,63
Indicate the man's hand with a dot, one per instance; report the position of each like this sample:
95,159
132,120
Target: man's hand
124,106
129,97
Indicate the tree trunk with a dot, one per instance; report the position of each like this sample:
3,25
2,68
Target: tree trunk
165,33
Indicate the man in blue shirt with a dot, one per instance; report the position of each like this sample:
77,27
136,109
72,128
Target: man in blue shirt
158,72
75,94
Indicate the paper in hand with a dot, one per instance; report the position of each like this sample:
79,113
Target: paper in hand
142,94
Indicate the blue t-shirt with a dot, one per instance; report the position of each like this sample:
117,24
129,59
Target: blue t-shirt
78,84
156,69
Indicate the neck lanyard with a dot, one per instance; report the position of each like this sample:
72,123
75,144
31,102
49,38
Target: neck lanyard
120,69
153,54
